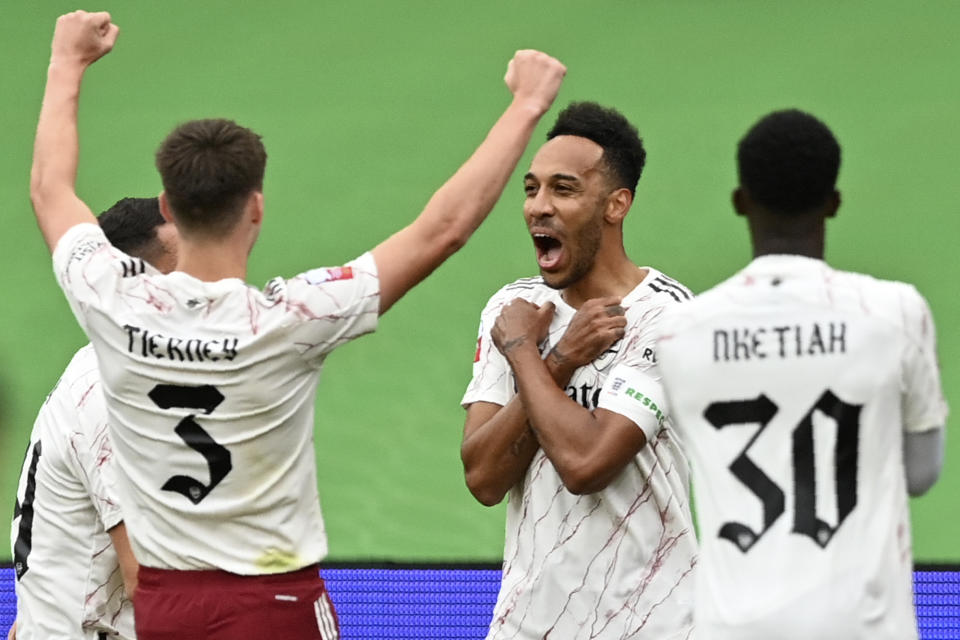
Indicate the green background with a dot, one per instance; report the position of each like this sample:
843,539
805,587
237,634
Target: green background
366,107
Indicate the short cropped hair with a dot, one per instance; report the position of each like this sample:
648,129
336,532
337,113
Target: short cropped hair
789,161
623,151
208,169
131,226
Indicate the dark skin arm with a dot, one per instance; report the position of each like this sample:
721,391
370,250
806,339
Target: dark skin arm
588,449
498,443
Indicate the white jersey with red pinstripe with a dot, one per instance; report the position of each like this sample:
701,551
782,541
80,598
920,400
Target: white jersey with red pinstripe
210,391
69,583
611,565
792,384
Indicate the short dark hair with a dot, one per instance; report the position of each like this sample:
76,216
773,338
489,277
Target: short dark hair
131,226
623,151
208,169
788,162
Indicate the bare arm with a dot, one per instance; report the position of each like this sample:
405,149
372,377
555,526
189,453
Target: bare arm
128,563
459,206
498,444
923,459
588,449
79,40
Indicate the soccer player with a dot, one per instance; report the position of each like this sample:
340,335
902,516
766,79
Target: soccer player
566,414
209,383
74,567
800,391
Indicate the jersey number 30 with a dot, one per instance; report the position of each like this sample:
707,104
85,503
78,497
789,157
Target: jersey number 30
207,398
760,410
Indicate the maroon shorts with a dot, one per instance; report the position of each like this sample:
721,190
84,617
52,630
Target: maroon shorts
216,605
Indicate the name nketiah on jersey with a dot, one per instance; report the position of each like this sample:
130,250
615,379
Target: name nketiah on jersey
791,385
69,582
618,563
210,390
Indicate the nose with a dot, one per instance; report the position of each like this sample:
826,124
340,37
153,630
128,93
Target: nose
539,205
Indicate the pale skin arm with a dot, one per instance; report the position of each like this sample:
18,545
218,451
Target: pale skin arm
79,40
588,449
128,563
498,443
463,202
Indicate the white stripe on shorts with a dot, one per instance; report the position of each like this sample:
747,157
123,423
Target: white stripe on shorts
325,620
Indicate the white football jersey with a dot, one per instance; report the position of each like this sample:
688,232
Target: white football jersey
791,385
69,583
613,564
210,390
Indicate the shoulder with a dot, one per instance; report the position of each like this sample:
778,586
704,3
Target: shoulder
533,289
899,303
359,273
659,289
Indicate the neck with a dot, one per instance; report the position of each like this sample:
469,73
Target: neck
811,247
210,261
615,276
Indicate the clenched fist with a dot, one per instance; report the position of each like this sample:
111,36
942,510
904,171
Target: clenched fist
83,38
534,78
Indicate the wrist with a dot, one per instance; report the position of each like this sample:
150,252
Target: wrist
560,366
530,106
66,66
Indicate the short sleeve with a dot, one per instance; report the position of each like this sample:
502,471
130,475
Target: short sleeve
492,379
635,394
924,406
332,305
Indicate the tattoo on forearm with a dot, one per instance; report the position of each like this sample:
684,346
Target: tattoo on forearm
517,447
560,358
510,345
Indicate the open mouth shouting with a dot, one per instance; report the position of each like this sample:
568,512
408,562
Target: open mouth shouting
549,248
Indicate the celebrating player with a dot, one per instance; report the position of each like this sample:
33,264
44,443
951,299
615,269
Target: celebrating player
74,567
600,541
800,391
209,383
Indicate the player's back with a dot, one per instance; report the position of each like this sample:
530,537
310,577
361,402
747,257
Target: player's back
68,578
792,384
210,390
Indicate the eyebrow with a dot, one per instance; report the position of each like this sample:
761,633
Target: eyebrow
556,176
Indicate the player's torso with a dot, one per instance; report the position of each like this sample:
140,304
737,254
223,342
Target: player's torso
594,565
68,577
787,393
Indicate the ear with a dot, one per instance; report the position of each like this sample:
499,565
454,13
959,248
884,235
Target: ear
618,203
741,201
256,207
165,208
833,203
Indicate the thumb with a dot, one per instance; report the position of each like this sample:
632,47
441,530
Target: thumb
546,310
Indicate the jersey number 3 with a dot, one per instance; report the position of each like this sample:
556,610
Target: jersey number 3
760,410
207,398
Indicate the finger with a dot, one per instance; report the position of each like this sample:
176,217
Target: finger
111,38
614,310
100,18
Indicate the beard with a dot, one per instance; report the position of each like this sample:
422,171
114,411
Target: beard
583,256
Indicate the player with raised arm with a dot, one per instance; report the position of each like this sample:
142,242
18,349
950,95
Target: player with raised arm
210,384
75,571
565,411
800,392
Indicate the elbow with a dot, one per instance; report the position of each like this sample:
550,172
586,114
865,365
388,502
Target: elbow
919,483
482,489
581,478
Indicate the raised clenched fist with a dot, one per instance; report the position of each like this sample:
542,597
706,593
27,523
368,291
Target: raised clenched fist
83,38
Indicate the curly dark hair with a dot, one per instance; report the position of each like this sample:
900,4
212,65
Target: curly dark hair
623,151
131,225
788,162
208,169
